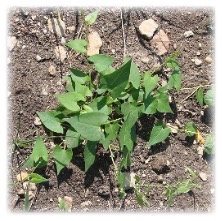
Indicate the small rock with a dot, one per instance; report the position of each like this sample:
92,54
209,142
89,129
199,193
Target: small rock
160,178
177,122
161,42
203,176
174,129
9,93
175,46
44,31
185,152
22,176
148,27
71,29
199,45
11,42
147,161
200,150
197,62
86,192
188,34
94,43
63,40
33,17
86,203
143,175
50,200
68,202
208,59
129,181
24,46
212,190
21,193
145,60
37,121
159,165
57,27
198,53
113,51
38,58
8,60
52,70
44,92
104,191
60,53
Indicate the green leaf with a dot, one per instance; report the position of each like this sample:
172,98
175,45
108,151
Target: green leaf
39,156
91,18
149,82
209,98
141,199
89,154
62,157
150,105
101,61
50,121
83,90
36,178
199,96
100,105
126,133
117,81
134,76
78,45
69,100
190,129
126,158
175,80
78,76
88,125
158,134
171,63
111,132
170,194
163,105
72,138
183,187
209,145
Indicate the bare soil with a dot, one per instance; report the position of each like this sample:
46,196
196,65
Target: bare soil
28,77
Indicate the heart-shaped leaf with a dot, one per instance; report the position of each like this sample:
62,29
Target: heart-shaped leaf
158,134
62,157
50,121
91,18
78,45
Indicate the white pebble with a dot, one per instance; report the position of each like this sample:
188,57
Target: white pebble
188,34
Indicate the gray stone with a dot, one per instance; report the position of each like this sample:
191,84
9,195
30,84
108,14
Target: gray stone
130,180
148,27
38,58
37,121
197,62
203,176
52,70
208,59
11,42
60,53
188,34
86,203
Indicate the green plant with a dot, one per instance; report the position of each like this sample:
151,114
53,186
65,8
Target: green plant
106,110
207,99
209,145
173,190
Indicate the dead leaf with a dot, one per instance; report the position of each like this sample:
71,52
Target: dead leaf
199,138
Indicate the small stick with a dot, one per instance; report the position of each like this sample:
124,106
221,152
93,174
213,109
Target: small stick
191,94
124,38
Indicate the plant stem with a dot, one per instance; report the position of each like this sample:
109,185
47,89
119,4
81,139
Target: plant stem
114,164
